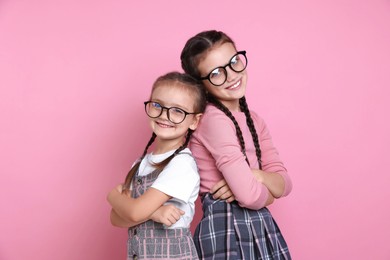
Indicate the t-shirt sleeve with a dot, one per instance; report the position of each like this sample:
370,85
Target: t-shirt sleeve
179,179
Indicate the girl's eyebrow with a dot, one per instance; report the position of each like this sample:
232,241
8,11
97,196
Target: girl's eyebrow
171,105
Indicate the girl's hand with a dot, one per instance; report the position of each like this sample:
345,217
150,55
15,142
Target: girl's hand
273,181
259,175
270,199
119,188
114,192
222,191
167,215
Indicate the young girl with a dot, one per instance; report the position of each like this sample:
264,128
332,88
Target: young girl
157,198
235,156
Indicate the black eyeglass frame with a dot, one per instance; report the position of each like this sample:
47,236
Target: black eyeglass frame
224,68
168,108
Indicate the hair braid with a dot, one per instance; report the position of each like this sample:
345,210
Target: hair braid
188,137
165,162
229,114
148,145
252,128
134,169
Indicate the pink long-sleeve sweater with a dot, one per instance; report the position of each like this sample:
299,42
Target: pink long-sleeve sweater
218,155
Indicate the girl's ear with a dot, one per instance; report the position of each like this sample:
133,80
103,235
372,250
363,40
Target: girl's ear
195,122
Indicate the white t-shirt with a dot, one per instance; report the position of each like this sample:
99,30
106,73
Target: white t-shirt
179,179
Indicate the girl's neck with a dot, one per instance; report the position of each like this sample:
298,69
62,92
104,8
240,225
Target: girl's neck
163,146
232,105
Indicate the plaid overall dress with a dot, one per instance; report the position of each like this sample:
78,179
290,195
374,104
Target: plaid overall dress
228,231
150,240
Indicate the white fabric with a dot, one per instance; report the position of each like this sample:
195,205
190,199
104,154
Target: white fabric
179,179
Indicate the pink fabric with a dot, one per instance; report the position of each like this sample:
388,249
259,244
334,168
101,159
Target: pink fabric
218,155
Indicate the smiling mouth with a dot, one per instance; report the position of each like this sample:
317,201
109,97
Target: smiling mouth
234,86
162,125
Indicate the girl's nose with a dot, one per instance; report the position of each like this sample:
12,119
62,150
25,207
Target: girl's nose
231,75
164,114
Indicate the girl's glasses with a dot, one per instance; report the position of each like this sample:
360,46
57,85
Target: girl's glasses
237,63
175,115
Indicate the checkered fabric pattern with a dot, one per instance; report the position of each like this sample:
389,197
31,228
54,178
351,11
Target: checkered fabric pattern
150,240
228,231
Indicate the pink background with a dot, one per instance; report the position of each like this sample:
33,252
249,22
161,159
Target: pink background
73,75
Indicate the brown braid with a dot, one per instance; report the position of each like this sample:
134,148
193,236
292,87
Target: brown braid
249,122
159,166
179,80
229,114
195,49
134,169
165,162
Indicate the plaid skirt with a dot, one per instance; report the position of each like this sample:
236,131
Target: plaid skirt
228,231
150,240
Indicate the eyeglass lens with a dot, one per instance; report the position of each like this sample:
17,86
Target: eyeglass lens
174,114
219,75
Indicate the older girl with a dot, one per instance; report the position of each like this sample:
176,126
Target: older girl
235,155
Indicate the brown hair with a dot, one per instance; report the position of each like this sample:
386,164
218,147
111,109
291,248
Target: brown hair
195,49
175,79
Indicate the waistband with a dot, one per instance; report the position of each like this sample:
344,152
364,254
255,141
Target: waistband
158,233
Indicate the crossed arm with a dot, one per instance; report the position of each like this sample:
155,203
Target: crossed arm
216,142
127,211
273,181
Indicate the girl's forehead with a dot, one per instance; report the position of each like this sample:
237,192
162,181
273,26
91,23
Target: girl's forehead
173,94
217,56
